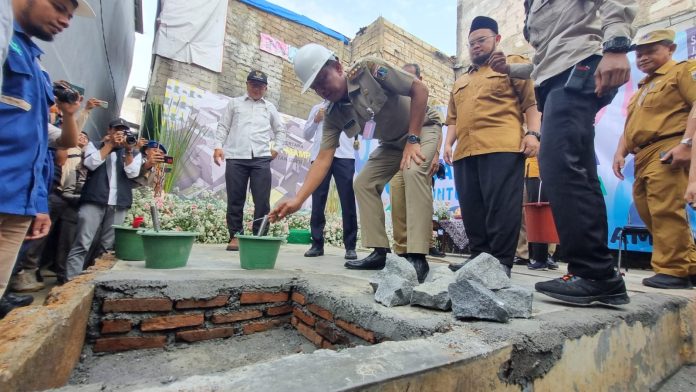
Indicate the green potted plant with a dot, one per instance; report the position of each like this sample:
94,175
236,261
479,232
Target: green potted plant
176,128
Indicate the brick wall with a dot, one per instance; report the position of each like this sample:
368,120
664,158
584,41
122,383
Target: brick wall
241,54
397,46
125,323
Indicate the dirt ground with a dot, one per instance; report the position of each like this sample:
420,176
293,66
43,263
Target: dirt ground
185,360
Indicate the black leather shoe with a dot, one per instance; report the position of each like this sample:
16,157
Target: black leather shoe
663,281
520,261
436,252
19,300
419,262
692,278
314,251
351,255
375,261
5,307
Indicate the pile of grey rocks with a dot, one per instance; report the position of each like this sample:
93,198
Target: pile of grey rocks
479,290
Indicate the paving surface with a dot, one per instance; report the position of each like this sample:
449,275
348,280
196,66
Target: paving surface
683,381
211,268
188,360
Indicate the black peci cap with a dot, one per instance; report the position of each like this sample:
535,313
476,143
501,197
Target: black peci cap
483,22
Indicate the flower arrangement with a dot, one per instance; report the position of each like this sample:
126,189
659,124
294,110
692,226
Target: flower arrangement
441,210
206,214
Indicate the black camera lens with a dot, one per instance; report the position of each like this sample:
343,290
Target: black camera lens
131,139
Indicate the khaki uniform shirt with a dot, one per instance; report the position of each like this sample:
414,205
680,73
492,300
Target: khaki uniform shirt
486,109
565,32
662,103
379,91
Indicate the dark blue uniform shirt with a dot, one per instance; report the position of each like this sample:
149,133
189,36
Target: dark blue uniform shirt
26,97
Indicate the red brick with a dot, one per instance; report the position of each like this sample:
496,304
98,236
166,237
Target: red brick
129,343
304,316
278,310
205,334
116,326
172,322
236,316
260,297
137,305
331,332
360,332
327,345
220,300
299,298
321,312
260,326
309,333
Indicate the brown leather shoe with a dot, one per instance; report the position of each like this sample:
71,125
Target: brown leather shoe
233,245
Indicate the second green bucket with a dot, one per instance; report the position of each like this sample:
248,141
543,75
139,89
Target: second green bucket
258,252
128,244
167,249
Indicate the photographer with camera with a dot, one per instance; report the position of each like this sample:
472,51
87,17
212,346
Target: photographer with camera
24,103
107,192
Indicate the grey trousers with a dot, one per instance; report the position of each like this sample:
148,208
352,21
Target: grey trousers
92,219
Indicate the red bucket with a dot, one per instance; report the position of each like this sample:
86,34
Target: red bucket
540,225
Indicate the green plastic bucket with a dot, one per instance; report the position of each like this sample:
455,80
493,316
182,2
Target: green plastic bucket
167,249
300,236
258,252
128,244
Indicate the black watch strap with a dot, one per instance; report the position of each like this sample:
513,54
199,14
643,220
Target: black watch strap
617,45
533,133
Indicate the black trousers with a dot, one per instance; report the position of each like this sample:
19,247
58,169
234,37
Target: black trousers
569,169
342,170
254,173
490,197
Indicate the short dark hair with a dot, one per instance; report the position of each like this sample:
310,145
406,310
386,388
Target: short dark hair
416,68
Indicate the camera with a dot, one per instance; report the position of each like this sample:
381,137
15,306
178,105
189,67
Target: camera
168,160
64,93
131,138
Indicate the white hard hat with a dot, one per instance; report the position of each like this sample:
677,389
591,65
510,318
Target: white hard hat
308,62
83,9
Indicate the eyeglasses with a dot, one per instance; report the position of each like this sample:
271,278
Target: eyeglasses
479,41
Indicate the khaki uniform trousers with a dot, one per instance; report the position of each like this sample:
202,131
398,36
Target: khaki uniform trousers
397,191
382,165
13,229
658,193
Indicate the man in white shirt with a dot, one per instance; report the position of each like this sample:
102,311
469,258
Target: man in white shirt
243,140
342,169
107,193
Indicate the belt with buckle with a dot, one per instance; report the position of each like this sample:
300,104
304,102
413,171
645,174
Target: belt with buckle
657,139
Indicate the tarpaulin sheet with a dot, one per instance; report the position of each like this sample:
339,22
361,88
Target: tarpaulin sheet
193,32
295,17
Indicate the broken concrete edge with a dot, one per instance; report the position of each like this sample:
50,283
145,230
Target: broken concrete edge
42,344
549,353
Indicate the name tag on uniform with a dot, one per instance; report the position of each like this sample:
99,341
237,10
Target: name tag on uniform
369,130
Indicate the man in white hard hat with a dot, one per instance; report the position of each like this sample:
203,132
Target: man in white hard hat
378,101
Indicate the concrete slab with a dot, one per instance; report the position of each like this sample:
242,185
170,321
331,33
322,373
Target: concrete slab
560,348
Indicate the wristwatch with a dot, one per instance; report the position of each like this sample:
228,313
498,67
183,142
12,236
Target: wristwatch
534,133
413,139
617,45
687,141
